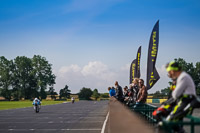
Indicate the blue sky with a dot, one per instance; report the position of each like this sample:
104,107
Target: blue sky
91,43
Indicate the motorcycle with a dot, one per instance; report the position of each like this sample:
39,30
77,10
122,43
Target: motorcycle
37,107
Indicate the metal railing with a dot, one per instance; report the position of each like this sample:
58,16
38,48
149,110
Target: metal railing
189,121
146,111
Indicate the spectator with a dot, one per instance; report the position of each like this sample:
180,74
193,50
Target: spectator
135,89
125,91
142,94
119,92
126,94
112,92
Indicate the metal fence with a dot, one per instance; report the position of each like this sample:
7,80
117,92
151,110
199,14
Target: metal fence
146,111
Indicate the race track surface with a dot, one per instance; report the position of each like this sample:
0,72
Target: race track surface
80,117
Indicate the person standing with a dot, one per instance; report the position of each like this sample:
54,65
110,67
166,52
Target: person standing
142,94
112,92
126,94
119,92
134,88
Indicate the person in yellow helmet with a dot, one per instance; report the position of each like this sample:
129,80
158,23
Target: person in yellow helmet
183,94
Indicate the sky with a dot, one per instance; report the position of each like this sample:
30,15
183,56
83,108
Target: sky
91,43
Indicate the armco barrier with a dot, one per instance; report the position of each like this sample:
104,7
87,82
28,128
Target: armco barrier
155,100
192,122
146,111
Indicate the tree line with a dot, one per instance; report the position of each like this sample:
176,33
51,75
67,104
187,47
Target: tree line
25,77
84,94
87,94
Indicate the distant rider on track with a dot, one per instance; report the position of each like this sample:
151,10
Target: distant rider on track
36,101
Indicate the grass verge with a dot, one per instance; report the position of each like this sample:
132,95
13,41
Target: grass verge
21,104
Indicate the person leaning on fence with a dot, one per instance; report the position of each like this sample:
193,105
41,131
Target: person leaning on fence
119,92
142,94
135,88
183,94
112,92
125,93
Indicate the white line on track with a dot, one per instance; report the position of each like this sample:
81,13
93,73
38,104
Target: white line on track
104,124
55,122
95,129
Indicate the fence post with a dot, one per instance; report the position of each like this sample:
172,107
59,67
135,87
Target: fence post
192,126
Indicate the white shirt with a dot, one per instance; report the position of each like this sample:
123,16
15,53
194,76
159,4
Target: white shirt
184,85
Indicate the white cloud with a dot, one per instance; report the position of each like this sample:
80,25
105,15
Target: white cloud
125,67
65,69
162,70
93,75
96,74
94,68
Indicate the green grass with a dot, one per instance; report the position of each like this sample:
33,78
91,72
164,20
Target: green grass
21,104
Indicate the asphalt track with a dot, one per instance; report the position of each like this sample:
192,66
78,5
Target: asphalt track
80,117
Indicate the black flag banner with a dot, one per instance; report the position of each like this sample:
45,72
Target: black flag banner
137,74
152,74
132,70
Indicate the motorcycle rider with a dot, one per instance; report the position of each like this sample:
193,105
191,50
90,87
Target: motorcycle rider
72,99
183,94
37,101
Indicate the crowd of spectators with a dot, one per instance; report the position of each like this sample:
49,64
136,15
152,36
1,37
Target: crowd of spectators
136,93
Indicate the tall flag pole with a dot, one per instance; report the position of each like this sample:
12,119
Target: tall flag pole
152,74
138,63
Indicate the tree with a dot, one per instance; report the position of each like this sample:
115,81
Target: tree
52,92
158,94
25,77
85,93
43,73
95,94
61,93
5,77
22,75
165,91
65,92
104,95
197,77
